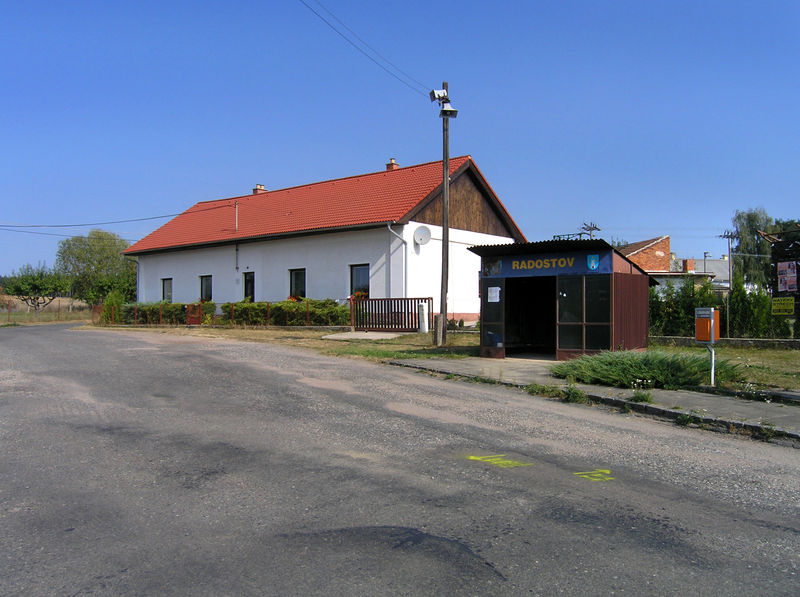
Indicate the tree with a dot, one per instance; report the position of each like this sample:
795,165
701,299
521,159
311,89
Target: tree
751,252
96,266
37,287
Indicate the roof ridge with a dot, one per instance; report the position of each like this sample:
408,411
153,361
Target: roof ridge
351,177
649,243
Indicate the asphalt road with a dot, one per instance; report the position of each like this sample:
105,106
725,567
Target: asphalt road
150,464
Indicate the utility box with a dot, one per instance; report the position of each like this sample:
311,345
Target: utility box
706,320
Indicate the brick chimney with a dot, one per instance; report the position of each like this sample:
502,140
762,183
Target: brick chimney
392,165
259,188
688,266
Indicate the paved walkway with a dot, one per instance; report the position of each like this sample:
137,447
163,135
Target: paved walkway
779,418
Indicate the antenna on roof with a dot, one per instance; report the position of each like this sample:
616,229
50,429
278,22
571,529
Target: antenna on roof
591,228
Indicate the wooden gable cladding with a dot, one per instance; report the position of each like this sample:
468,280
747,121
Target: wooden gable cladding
471,208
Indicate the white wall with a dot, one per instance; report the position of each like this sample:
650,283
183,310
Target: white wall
396,269
425,267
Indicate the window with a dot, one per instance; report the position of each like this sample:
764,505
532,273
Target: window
250,286
570,299
205,288
297,283
359,279
166,289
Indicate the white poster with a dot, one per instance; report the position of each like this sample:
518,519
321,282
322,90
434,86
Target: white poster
494,294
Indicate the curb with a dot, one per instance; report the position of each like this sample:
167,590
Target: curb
717,424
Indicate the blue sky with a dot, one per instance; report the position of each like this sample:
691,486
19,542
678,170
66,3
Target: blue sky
646,118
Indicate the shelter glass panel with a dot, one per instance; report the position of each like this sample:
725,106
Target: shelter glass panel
598,299
598,337
570,299
570,337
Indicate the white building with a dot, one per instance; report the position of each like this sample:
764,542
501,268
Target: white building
377,233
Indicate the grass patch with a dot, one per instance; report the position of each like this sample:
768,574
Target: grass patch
761,367
536,389
628,369
641,396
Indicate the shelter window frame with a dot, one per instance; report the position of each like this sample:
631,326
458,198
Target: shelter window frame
584,312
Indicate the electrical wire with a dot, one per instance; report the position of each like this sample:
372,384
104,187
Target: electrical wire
5,226
352,43
422,86
63,235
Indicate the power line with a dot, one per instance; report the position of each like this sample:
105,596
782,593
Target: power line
5,226
352,43
381,56
2,229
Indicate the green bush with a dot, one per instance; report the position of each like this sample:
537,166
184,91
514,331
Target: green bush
112,307
318,312
628,369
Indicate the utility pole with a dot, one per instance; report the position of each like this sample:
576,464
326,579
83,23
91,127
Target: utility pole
729,235
446,113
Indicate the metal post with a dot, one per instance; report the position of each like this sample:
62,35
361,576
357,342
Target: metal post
441,330
730,288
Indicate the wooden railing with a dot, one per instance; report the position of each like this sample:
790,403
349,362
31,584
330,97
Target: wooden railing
389,314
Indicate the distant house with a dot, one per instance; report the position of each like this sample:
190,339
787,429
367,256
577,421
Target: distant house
377,233
654,257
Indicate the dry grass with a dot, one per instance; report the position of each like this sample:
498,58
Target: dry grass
13,310
405,346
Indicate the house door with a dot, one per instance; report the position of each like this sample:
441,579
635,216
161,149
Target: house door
250,286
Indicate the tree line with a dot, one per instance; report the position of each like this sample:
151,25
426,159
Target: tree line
87,268
672,308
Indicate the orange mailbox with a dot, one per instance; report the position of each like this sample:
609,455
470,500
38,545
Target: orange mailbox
706,319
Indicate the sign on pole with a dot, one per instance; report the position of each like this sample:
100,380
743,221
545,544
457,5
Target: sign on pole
706,331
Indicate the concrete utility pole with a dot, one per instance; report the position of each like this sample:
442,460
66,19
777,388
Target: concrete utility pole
729,235
446,113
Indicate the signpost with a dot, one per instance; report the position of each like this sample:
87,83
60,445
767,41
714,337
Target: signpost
706,331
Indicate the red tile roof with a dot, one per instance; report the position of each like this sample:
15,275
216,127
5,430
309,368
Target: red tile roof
376,198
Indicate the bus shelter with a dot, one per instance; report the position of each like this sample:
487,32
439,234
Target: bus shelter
561,297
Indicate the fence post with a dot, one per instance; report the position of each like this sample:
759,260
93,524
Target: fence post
352,314
233,307
58,317
9,311
308,314
267,314
135,315
160,314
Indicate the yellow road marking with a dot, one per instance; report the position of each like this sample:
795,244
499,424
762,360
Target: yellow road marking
499,460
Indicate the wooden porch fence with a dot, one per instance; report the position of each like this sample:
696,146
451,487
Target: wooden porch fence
389,314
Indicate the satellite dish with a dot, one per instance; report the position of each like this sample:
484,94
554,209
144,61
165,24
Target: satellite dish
422,235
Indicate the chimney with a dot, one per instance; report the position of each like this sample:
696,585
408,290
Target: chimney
259,188
688,266
392,165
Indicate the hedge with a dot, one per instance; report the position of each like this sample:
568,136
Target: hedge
304,312
151,313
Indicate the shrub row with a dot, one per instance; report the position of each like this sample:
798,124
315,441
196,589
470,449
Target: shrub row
305,312
643,370
151,313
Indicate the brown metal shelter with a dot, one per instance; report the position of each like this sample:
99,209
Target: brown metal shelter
562,297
